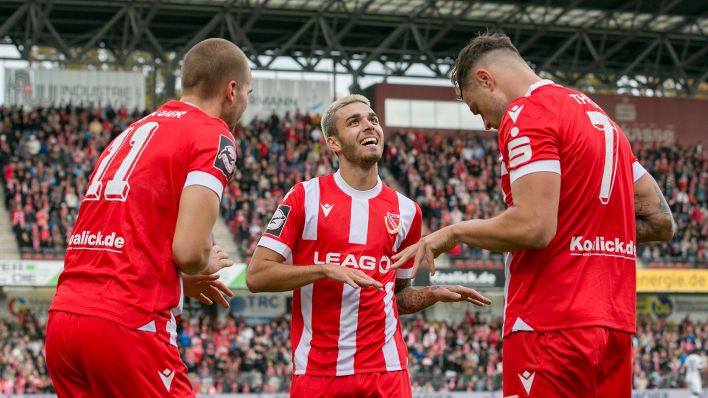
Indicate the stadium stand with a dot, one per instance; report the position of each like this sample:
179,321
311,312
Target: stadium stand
227,355
48,154
455,178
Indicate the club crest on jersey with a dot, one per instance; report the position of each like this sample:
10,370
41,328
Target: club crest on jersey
276,224
225,159
393,222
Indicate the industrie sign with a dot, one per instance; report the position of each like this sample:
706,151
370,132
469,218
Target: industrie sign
46,87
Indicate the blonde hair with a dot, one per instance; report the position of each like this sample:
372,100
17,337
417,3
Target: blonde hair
329,119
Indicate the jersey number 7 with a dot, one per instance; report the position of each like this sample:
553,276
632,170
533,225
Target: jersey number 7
603,123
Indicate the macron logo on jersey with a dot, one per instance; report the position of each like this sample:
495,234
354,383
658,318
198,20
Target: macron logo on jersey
326,208
167,376
527,381
514,112
599,246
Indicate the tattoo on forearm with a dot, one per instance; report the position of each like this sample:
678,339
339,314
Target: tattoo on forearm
410,300
652,219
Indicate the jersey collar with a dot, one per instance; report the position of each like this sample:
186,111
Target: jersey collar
536,85
355,193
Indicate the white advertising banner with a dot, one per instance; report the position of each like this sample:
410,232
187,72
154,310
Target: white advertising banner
45,87
281,95
30,273
261,305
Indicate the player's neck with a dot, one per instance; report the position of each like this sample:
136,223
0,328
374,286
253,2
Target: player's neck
521,84
361,179
210,107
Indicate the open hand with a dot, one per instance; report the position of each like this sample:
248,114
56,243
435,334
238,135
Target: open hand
427,248
218,259
207,289
448,294
352,277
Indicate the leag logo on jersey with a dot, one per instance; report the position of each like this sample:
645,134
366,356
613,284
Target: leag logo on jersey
225,159
276,224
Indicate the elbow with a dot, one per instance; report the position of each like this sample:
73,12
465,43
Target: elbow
252,285
540,235
669,231
190,260
252,281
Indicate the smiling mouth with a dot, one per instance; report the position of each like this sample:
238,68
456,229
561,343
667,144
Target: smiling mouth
370,141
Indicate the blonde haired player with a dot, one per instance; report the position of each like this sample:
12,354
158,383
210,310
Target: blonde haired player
331,242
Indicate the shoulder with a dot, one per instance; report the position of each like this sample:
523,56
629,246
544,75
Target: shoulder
303,189
405,204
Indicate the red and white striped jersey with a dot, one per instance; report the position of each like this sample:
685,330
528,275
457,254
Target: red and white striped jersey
338,330
119,264
586,275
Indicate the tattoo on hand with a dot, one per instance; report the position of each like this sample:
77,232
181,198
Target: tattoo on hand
410,300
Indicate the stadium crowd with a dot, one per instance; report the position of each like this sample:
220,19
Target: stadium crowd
227,355
457,178
47,155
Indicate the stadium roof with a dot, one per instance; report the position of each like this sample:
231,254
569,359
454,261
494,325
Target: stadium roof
647,44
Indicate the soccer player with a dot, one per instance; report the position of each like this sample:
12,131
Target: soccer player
692,365
147,216
340,232
578,204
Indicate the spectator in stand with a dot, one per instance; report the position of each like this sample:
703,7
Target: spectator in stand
227,355
452,178
22,366
46,155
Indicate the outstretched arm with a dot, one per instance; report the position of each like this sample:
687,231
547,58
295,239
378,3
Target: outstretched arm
268,272
529,224
410,300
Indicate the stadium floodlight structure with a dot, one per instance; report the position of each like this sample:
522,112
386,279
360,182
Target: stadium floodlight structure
657,47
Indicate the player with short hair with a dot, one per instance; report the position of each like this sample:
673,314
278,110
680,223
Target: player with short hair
143,237
578,204
341,230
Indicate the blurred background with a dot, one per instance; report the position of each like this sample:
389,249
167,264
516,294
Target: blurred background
75,73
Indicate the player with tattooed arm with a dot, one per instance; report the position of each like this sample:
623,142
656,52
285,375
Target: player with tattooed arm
331,241
578,204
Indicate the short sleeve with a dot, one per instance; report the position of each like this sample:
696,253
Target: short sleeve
529,139
212,159
637,169
285,227
412,237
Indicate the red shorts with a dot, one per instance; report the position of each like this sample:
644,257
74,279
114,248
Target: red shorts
395,384
584,362
93,357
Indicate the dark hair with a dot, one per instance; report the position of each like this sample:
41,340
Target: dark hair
468,57
210,64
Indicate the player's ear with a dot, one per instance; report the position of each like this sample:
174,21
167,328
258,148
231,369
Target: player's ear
483,78
230,91
333,144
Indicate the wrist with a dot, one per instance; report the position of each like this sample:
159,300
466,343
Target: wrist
321,271
454,233
431,292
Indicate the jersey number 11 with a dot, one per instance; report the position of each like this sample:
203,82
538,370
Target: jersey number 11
117,188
